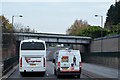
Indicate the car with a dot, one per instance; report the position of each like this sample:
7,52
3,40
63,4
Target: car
67,62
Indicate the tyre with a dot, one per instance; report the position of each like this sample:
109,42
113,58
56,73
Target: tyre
58,73
78,76
58,76
55,72
22,73
43,74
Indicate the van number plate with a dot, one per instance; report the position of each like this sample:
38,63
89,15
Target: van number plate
65,68
32,65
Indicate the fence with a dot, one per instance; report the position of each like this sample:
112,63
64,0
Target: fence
9,64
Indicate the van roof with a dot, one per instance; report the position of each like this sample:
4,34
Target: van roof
68,50
32,40
73,51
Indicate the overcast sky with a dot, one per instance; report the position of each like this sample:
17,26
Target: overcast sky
53,16
57,0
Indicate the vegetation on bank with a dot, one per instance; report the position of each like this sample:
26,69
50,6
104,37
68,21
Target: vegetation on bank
112,25
7,27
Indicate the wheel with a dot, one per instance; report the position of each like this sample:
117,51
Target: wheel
58,76
55,72
78,76
22,73
43,74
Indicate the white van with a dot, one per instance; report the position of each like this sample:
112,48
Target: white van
67,62
32,56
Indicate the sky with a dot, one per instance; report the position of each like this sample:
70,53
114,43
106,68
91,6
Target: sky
57,0
54,16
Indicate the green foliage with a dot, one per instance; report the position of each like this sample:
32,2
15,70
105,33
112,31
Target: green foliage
112,25
113,19
81,28
93,31
113,15
115,29
7,26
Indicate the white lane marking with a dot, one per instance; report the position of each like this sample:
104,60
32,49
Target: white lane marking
47,74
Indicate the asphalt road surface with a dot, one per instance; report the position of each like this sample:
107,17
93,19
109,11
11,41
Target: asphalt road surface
89,71
49,74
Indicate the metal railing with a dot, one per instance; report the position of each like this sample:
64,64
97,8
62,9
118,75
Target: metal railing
9,64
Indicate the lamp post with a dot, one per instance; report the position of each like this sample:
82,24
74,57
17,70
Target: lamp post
101,28
15,16
101,19
101,23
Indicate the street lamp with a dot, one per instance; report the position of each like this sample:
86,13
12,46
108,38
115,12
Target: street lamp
101,23
15,16
101,28
101,19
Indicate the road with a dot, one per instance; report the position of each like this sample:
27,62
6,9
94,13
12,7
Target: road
89,71
87,74
49,74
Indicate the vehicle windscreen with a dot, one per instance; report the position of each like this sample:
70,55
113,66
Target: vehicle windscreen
32,46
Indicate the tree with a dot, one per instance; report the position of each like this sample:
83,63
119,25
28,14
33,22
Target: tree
93,31
7,26
18,27
8,40
113,15
82,28
115,29
76,27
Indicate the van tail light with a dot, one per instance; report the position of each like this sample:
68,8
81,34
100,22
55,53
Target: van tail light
80,64
21,62
58,64
27,59
44,62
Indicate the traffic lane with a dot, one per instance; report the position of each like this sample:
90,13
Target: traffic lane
101,71
49,74
49,70
50,52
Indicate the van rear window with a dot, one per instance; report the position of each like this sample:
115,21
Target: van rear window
32,46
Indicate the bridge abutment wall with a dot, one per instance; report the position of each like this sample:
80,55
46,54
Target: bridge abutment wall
104,51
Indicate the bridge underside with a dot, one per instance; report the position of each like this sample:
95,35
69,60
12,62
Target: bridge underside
59,40
53,38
